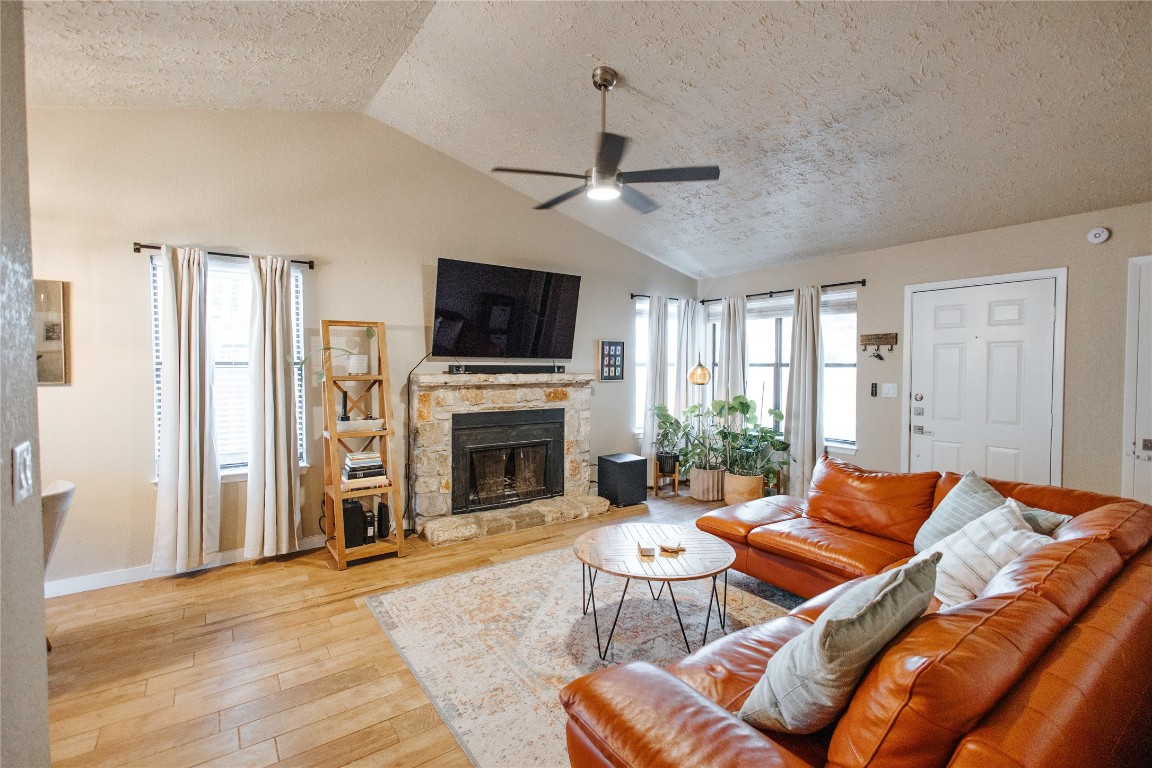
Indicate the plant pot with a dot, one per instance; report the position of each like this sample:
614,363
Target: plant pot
667,462
741,488
706,484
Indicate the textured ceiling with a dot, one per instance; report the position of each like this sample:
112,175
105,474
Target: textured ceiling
246,55
838,127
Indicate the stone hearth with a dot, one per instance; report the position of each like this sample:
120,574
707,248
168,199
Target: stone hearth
436,397
454,528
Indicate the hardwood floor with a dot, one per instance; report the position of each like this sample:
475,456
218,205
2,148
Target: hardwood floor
274,662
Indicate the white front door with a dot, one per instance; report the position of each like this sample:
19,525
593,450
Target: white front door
982,380
1137,470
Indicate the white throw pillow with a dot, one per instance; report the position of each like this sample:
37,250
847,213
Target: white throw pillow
812,677
974,554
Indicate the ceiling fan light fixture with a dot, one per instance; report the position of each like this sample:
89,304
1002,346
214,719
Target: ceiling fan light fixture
604,190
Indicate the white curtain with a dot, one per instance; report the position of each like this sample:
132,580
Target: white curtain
188,481
804,424
689,349
733,347
273,520
656,392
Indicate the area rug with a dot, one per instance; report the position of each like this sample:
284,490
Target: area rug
492,647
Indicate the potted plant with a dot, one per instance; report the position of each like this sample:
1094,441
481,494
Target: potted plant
752,452
670,434
700,454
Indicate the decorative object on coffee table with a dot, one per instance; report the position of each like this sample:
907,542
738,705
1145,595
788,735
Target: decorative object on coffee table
617,550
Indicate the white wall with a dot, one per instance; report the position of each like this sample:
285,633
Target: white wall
373,207
1097,286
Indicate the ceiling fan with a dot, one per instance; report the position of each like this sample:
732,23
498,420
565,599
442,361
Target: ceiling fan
605,180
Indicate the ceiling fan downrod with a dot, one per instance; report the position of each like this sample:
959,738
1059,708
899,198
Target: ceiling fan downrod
604,78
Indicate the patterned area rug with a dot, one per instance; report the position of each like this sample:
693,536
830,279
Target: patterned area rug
492,647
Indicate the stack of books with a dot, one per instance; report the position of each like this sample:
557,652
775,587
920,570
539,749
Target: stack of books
363,470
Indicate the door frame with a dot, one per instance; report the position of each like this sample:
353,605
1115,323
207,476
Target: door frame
1061,276
1131,345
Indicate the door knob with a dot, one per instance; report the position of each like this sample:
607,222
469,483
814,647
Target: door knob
918,397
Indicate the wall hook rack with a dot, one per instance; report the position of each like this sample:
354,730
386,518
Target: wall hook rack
877,340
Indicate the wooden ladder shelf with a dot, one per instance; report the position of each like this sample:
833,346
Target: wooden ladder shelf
368,396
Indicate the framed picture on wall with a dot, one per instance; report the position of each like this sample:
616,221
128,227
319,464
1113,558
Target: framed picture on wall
611,360
51,332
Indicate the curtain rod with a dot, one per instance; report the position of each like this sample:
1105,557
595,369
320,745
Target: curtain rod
137,247
769,294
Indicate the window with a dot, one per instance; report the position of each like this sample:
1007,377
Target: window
769,329
229,291
838,334
641,356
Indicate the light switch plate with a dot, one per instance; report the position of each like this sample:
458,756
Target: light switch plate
887,390
21,472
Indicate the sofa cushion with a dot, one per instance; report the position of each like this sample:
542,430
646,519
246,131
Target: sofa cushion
1057,573
885,504
930,687
809,680
974,554
726,669
1126,525
829,546
736,521
969,499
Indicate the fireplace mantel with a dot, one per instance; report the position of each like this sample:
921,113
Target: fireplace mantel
434,397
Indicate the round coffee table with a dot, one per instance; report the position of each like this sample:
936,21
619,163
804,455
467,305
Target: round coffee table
614,549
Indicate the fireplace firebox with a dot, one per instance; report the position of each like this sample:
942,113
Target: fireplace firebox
503,458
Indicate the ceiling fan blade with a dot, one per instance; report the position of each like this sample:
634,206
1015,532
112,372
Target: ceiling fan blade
691,173
501,169
560,198
638,200
612,146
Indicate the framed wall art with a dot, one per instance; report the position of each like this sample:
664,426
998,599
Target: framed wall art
51,325
611,361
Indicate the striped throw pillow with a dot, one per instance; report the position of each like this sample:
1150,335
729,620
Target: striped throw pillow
813,676
971,556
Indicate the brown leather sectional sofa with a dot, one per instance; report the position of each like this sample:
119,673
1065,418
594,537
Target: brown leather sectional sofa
1050,666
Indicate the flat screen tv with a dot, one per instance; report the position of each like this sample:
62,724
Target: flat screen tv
485,310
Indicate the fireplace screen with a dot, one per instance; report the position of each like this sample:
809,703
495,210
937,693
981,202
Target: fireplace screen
501,475
502,458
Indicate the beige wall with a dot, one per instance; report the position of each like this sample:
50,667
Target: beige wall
373,207
1097,284
23,667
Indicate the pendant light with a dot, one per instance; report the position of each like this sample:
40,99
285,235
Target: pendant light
699,374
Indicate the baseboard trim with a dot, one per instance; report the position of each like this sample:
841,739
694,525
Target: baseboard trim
59,587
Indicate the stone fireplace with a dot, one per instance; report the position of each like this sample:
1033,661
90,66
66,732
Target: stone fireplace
482,442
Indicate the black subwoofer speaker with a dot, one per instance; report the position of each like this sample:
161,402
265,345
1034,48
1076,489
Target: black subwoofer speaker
622,478
354,523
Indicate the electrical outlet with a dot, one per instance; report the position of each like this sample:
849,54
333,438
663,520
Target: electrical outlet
21,472
888,390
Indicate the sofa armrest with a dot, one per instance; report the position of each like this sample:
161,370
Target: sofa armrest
735,522
639,715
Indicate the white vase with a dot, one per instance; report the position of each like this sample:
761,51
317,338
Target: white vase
357,365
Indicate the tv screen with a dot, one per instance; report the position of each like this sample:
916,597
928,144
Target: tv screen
485,310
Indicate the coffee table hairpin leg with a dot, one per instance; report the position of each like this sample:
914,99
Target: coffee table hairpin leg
588,578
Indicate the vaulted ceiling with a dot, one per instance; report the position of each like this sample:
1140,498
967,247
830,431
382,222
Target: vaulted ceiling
838,127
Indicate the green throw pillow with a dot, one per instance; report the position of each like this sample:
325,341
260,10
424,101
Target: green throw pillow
812,677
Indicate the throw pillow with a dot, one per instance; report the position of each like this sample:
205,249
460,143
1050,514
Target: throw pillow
968,500
974,554
811,678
